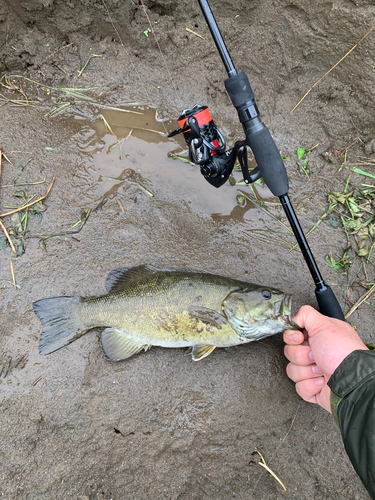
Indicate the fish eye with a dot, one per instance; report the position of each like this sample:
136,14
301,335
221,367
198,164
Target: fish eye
266,294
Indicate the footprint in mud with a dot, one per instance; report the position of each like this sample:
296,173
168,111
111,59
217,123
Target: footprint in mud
8,364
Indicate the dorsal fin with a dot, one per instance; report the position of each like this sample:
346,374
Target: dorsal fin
120,278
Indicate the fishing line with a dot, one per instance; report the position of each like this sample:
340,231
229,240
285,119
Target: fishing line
132,63
126,52
162,55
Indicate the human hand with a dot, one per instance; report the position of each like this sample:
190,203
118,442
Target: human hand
316,352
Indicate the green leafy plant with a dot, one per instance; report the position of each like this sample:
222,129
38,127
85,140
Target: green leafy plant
302,154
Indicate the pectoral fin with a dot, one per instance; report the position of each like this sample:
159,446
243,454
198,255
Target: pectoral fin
207,315
117,345
201,351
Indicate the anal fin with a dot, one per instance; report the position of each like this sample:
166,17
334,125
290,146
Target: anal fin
201,351
117,345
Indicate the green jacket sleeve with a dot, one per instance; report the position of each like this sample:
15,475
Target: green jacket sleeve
353,406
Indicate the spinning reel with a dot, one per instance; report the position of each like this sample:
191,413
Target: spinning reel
207,146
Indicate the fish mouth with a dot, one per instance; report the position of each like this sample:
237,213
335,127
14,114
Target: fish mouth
286,308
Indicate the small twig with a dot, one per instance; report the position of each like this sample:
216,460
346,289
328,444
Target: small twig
333,67
62,69
29,204
8,237
12,271
37,380
53,53
193,32
122,208
364,297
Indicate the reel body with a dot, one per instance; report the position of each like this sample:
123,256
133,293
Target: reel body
207,147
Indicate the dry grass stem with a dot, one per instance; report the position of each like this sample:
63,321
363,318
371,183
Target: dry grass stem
5,156
108,126
29,204
333,67
86,63
24,184
263,464
364,297
103,106
7,236
56,51
140,128
12,86
12,271
127,137
193,32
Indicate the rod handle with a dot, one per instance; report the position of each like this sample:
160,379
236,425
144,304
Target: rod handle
269,161
328,303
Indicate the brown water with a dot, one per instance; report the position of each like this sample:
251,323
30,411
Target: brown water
139,149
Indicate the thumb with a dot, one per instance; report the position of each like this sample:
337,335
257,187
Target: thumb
311,320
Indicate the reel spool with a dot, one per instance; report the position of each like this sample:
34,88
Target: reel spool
207,146
203,138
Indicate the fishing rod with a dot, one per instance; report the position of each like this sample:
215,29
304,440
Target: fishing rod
207,149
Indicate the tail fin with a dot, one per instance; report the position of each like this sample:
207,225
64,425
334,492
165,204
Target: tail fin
61,322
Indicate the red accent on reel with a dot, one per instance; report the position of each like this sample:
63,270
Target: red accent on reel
202,118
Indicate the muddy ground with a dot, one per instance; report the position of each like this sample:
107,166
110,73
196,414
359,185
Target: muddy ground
158,426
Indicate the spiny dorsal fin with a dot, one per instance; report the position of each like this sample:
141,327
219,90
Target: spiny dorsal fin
120,278
117,345
201,351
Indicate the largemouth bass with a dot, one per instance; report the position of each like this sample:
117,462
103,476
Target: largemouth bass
146,306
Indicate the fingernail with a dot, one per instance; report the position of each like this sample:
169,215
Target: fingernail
319,381
295,337
311,356
317,370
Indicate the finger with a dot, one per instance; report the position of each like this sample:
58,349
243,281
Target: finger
312,321
299,354
306,316
298,373
293,337
308,389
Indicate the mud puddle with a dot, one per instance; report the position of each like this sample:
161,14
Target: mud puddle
132,148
